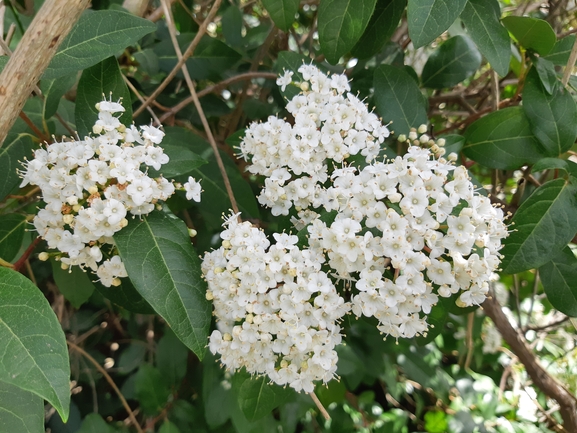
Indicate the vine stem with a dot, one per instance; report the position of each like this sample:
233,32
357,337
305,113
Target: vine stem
189,51
110,382
320,406
195,99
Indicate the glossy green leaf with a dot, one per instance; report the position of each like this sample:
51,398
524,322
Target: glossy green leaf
12,229
559,278
212,182
182,160
171,358
559,54
553,118
125,295
481,17
341,24
428,19
20,411
282,12
381,27
257,397
53,91
531,33
211,57
73,283
547,74
16,147
399,99
93,423
168,427
96,36
151,392
556,164
34,353
455,60
502,139
98,82
544,224
232,26
165,269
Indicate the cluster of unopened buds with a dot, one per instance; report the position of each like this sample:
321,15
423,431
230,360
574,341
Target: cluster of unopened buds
399,233
90,186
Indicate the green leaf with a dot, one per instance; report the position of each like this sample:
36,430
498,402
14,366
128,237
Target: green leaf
559,278
93,423
559,55
131,357
546,72
182,160
531,33
257,397
341,24
34,353
555,163
16,148
168,427
125,295
544,223
165,269
553,118
211,57
212,182
171,358
455,60
96,36
381,27
232,26
12,229
399,99
73,283
428,19
282,12
151,392
481,17
20,411
53,91
103,80
502,139
436,421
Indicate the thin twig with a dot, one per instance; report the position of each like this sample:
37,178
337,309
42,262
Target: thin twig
207,130
216,88
469,341
570,64
141,99
320,406
182,59
110,382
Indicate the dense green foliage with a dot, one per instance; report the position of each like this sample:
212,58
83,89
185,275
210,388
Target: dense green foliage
486,75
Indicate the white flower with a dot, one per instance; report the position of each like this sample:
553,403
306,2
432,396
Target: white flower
193,189
284,80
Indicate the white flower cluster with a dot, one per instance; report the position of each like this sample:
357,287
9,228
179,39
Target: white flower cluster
401,232
90,185
330,125
276,310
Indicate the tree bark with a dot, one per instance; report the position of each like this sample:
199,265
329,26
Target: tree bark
540,377
32,56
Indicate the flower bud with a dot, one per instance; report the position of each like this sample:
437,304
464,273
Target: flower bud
422,129
43,256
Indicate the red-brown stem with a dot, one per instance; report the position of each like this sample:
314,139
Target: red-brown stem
22,260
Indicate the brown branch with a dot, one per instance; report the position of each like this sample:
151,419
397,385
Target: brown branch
22,260
110,382
216,88
541,378
189,52
32,56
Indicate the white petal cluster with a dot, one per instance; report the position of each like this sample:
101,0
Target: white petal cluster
400,233
330,125
90,186
277,311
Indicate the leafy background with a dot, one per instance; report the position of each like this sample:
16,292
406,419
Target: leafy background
491,77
